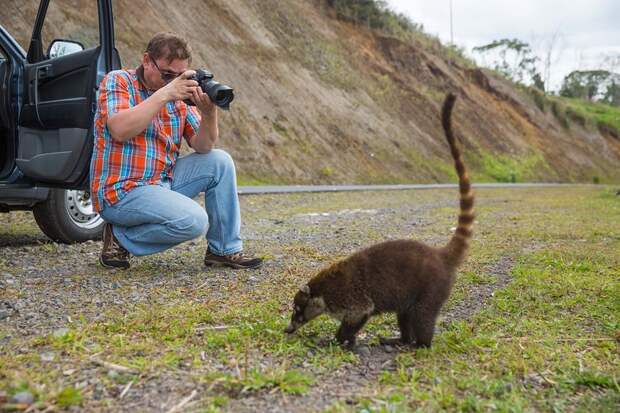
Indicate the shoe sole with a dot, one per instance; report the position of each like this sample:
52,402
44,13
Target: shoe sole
122,266
234,266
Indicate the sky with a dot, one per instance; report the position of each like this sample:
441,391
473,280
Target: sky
584,30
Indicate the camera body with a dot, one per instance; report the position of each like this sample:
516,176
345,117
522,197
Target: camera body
221,95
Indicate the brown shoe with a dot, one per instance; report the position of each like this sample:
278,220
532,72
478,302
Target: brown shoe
236,260
113,255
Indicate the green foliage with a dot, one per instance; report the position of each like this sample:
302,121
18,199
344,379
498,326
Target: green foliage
69,396
539,98
375,14
514,59
504,168
285,381
559,111
592,85
595,113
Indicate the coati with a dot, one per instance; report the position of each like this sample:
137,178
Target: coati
402,276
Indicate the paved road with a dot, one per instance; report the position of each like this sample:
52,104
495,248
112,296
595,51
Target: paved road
277,189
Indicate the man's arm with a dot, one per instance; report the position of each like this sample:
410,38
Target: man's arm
208,132
127,123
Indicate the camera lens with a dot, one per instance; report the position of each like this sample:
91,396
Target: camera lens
220,94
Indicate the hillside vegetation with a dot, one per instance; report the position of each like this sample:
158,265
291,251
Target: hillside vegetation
327,95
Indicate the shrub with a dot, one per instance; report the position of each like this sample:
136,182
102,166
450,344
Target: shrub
375,14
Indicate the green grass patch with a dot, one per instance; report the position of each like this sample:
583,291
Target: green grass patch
596,114
504,168
547,341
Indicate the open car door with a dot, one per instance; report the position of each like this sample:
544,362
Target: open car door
59,98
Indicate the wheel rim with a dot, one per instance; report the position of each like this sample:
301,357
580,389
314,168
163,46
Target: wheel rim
80,208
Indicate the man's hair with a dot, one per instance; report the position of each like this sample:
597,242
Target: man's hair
169,46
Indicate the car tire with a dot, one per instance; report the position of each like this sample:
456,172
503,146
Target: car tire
67,216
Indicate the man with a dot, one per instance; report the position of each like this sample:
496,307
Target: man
139,185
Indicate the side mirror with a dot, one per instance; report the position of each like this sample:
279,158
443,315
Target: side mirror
61,47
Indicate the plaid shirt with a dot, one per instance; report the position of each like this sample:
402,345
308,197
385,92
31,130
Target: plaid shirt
146,159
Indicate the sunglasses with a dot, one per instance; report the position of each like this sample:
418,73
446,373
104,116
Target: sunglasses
166,75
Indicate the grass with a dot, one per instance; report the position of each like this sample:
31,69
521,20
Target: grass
585,113
545,342
504,168
597,113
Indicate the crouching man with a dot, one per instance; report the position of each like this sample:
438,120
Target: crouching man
139,184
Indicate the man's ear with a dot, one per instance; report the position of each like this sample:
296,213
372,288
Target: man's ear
305,289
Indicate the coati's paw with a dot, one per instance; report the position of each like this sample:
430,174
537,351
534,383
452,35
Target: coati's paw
346,343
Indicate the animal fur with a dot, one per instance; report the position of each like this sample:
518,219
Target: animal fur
406,277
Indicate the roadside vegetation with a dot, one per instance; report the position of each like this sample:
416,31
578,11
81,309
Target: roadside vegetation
545,340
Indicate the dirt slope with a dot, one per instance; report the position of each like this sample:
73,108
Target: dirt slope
324,101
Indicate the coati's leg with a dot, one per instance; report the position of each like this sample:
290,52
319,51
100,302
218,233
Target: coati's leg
349,328
405,323
424,322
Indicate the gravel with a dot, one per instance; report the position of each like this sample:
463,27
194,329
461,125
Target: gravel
45,287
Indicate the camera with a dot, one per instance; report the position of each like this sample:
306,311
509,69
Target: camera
220,95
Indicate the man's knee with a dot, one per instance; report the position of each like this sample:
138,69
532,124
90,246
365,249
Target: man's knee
221,159
192,225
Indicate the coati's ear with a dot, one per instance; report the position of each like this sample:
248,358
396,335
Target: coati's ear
305,289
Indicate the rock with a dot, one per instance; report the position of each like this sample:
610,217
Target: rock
61,332
363,351
23,397
47,356
113,374
388,349
5,314
98,392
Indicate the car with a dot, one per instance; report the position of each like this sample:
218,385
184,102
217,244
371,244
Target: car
47,106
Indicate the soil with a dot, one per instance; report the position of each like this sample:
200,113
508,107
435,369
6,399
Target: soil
47,286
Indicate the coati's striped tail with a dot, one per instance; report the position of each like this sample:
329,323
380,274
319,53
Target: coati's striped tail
459,243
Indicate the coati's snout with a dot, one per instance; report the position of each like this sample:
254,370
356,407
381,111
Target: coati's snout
305,308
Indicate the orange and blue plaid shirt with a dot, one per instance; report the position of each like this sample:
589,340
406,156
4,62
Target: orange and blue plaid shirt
146,159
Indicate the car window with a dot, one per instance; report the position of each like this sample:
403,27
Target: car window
75,20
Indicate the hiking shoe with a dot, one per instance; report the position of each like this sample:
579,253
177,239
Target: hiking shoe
113,255
236,260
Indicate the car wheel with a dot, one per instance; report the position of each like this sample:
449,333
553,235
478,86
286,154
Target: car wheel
68,216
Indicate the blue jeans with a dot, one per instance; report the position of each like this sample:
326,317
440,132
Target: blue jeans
153,218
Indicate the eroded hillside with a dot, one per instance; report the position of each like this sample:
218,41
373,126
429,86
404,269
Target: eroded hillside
319,100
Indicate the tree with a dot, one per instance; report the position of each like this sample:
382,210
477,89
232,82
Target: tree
612,94
592,85
514,59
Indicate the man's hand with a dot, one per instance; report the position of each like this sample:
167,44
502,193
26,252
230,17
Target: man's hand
202,101
181,87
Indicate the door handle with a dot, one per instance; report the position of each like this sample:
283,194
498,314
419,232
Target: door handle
44,71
